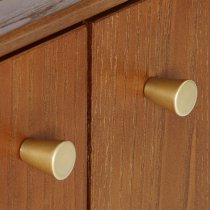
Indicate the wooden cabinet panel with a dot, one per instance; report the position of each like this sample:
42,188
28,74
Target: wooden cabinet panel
144,157
43,95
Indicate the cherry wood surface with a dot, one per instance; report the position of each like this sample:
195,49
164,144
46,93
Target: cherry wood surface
144,157
43,95
39,27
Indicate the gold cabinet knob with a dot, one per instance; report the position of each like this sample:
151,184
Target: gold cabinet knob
174,94
51,156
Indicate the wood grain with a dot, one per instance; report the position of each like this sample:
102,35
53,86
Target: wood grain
15,13
55,22
144,157
43,95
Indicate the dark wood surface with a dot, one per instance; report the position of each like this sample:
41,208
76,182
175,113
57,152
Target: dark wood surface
144,157
40,28
43,95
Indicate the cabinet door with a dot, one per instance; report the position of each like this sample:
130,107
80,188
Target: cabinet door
144,157
43,95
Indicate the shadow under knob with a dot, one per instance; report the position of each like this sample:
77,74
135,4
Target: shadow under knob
51,156
176,95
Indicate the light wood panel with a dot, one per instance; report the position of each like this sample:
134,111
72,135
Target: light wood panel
15,13
144,157
53,23
43,95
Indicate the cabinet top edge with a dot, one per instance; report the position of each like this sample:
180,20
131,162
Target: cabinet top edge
38,29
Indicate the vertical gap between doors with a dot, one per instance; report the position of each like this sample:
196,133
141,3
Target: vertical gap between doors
89,111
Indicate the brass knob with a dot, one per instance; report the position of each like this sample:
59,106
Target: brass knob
176,95
51,156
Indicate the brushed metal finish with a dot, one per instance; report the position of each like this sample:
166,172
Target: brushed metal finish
51,156
177,95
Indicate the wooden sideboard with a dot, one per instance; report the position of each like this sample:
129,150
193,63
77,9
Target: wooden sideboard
85,84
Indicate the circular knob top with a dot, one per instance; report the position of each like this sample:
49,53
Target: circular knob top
63,160
185,98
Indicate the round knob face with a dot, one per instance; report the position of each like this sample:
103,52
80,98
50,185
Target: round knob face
63,160
185,98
